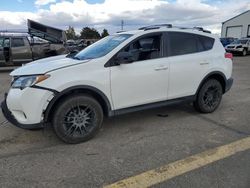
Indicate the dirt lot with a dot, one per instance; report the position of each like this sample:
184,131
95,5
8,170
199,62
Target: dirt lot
134,143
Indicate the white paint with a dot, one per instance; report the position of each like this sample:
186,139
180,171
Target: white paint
126,85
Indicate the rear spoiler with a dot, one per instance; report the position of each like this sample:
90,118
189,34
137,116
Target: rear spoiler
48,33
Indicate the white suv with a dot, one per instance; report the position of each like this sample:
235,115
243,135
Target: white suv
125,72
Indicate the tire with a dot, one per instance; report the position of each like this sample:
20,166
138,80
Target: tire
209,96
78,118
244,53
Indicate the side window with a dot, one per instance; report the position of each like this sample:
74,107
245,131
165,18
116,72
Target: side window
182,43
1,42
17,42
6,43
145,48
206,42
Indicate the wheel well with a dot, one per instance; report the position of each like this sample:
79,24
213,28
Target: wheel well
216,76
48,114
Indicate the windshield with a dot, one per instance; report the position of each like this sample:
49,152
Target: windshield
102,47
240,42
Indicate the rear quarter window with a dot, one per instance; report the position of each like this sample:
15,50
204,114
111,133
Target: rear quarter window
207,43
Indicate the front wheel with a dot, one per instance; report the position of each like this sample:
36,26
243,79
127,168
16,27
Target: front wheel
77,118
209,96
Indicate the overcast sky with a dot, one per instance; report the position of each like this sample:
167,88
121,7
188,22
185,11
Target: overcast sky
109,13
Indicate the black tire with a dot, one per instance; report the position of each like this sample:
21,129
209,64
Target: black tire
244,53
209,96
77,118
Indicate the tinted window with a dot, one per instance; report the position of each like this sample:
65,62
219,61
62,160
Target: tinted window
17,42
186,43
206,42
145,48
182,43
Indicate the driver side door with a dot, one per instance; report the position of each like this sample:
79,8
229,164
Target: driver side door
145,80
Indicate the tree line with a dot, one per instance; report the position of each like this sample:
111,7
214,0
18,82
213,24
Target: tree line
86,33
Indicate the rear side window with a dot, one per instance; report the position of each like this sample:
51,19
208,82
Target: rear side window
17,42
181,43
206,42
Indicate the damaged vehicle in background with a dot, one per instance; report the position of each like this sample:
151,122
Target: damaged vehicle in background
17,48
241,46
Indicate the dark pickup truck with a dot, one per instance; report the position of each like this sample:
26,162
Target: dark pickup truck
16,49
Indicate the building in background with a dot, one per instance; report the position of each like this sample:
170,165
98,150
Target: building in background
237,27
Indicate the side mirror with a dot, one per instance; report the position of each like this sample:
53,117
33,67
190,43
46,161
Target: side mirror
72,53
124,58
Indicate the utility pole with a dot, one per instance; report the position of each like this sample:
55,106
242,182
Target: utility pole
122,23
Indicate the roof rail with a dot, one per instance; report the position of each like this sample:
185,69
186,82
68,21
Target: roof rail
155,26
201,29
171,26
195,28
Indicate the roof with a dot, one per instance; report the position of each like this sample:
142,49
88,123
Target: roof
236,16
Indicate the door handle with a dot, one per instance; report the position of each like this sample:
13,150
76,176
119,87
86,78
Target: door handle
161,68
204,63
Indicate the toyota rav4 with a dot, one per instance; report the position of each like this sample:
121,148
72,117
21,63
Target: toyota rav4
125,72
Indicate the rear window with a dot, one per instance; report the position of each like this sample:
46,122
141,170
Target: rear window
17,42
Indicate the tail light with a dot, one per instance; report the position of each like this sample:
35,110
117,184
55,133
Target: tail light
229,55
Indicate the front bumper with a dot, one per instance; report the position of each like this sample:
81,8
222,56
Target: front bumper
8,115
229,84
25,108
234,50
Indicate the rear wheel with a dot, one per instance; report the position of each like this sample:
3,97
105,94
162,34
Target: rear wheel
77,118
209,96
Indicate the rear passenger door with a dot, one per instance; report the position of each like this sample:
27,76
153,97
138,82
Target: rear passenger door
20,50
189,58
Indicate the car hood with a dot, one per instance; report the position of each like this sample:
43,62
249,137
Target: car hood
45,65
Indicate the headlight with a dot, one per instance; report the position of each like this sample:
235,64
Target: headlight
27,81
